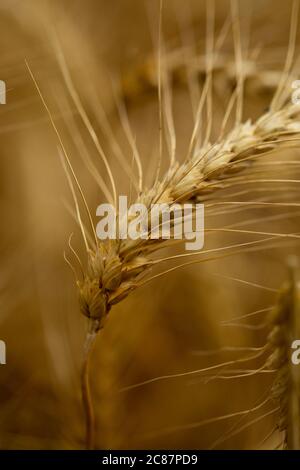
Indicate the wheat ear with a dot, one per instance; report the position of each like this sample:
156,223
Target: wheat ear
116,267
142,79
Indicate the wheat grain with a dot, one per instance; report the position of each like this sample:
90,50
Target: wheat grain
142,79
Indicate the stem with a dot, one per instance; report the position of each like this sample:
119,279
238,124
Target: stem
85,389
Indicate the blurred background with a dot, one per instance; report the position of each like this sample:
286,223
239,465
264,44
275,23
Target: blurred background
164,327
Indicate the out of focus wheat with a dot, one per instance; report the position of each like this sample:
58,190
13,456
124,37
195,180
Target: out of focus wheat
159,329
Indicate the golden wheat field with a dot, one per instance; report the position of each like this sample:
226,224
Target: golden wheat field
140,343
